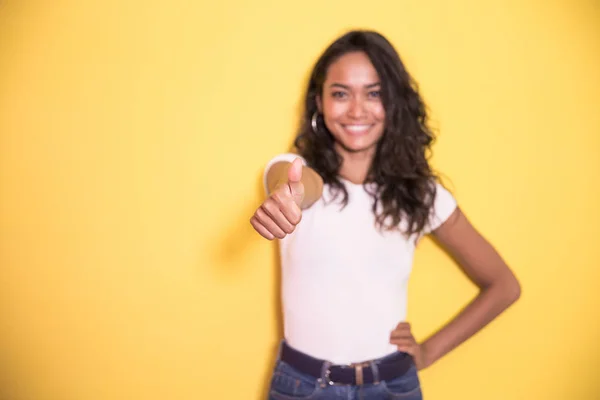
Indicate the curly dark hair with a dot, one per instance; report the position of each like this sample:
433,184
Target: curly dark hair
404,180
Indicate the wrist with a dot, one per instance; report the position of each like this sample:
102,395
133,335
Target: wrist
427,358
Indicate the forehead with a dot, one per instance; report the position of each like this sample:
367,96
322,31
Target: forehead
352,69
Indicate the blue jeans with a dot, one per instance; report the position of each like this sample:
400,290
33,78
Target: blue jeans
289,384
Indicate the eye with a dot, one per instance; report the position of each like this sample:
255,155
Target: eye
338,94
375,94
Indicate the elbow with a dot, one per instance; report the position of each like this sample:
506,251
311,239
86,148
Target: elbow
506,291
511,290
515,291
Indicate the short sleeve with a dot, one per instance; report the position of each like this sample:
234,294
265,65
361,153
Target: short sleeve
443,206
285,157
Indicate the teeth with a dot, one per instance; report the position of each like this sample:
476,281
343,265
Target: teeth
357,128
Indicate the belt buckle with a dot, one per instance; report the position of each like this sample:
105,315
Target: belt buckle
358,374
328,378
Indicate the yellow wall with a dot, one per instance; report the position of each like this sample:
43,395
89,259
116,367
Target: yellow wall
132,139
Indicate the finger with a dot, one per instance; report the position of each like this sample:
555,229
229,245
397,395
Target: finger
403,325
295,181
402,335
403,342
295,171
408,346
407,349
402,331
273,210
289,208
261,229
297,191
268,223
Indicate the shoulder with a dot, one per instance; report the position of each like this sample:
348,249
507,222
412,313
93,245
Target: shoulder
444,205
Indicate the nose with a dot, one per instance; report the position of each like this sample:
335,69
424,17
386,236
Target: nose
357,108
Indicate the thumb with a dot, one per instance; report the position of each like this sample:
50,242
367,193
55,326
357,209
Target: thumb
295,181
295,171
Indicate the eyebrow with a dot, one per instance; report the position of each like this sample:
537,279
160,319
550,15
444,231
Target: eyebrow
369,86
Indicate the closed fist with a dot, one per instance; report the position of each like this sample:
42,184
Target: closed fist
279,214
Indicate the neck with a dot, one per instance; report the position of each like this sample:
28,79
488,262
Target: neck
355,165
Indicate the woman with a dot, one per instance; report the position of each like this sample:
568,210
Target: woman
349,210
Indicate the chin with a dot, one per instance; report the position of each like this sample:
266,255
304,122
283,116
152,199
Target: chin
358,146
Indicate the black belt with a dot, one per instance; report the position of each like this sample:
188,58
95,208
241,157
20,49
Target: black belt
355,374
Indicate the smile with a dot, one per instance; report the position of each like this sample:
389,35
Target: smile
357,129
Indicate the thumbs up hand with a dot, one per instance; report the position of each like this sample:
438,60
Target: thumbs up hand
279,214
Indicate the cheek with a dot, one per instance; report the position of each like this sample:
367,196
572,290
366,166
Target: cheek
378,112
333,110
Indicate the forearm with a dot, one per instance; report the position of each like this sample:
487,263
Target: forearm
490,302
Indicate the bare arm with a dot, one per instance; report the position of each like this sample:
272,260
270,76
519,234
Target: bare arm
498,289
498,285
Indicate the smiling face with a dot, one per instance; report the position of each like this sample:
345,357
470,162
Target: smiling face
351,104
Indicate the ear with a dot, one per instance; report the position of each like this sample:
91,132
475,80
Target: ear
319,103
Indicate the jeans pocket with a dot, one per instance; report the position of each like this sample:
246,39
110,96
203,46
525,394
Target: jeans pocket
289,384
407,386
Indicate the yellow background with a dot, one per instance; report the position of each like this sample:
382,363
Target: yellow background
132,140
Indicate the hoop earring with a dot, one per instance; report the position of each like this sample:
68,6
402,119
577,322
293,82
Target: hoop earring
313,122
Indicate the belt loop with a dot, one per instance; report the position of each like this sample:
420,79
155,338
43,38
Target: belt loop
358,375
375,371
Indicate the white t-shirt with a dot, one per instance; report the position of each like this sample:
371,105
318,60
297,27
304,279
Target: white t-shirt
344,282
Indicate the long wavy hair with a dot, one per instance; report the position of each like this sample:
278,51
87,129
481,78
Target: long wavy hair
404,181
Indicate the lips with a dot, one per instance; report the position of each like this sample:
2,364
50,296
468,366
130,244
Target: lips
357,129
